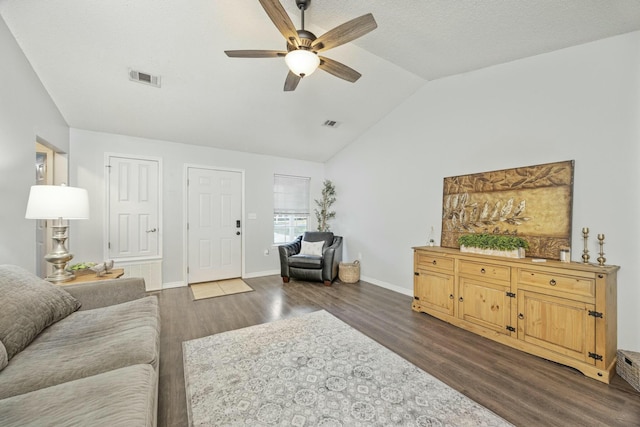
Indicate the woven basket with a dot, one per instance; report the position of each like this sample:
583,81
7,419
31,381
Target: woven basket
349,272
628,367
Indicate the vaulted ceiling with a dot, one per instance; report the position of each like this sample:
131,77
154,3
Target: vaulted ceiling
82,51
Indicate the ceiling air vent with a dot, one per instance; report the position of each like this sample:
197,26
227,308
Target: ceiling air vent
331,124
140,77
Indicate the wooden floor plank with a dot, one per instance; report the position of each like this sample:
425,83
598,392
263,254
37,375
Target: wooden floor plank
525,390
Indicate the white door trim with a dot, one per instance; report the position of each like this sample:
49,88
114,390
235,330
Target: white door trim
105,226
185,216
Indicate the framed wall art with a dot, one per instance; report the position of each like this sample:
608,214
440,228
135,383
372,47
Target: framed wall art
533,202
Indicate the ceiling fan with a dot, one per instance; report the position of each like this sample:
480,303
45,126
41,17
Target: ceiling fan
303,46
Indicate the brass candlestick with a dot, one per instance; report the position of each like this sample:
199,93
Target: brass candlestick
601,258
585,252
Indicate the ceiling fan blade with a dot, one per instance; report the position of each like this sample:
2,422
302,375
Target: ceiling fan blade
291,82
281,20
255,53
339,70
345,33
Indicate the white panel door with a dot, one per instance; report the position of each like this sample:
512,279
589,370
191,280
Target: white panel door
214,230
134,227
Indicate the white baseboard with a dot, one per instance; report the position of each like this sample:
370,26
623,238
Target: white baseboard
398,289
169,285
260,274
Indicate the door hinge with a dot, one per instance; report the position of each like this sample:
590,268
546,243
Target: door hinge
109,245
187,269
187,226
595,356
416,273
511,328
595,314
416,298
511,294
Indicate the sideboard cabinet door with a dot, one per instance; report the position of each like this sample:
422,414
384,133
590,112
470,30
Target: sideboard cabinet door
558,324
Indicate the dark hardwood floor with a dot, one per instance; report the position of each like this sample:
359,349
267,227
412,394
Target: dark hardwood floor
523,389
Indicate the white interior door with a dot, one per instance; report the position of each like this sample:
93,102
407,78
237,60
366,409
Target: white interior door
214,229
134,208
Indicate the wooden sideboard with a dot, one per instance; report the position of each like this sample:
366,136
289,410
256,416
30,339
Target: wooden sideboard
564,312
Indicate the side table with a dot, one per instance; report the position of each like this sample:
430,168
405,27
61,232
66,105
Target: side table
92,277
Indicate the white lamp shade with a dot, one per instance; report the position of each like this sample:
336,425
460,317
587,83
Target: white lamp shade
302,62
57,201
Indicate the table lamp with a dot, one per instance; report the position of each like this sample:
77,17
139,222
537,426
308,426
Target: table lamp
59,203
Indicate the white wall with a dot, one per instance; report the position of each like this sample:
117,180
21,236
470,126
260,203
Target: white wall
87,170
27,114
580,103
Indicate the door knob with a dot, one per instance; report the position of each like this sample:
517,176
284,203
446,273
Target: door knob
153,230
237,233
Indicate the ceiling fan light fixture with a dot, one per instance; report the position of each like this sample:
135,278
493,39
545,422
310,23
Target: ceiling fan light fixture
302,62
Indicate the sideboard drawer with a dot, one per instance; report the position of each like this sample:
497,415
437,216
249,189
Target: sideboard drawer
570,284
431,262
485,270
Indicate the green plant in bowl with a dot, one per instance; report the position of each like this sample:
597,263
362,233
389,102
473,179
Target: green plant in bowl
500,242
493,244
81,266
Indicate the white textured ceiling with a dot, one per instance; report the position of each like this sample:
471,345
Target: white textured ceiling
82,49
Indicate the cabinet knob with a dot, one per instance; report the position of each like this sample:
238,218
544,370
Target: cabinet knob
552,282
460,299
520,316
450,296
482,270
434,262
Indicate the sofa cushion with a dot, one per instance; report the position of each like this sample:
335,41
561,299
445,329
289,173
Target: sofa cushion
28,305
86,343
122,397
4,358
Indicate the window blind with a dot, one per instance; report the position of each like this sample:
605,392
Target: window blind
290,195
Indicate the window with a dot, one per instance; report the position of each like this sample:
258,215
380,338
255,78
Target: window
290,207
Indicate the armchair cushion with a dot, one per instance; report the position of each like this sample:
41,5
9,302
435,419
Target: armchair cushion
305,261
312,248
319,236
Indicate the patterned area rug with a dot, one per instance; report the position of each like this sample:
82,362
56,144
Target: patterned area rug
219,288
315,370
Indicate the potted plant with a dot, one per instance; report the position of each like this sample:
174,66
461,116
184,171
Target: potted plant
494,244
324,212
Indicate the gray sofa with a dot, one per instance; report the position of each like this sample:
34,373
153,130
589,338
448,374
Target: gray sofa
77,355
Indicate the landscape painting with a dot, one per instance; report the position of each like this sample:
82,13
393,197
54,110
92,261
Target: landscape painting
533,202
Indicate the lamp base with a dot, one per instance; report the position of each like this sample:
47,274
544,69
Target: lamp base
59,256
60,276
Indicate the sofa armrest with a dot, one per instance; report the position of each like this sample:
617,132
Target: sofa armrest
103,293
